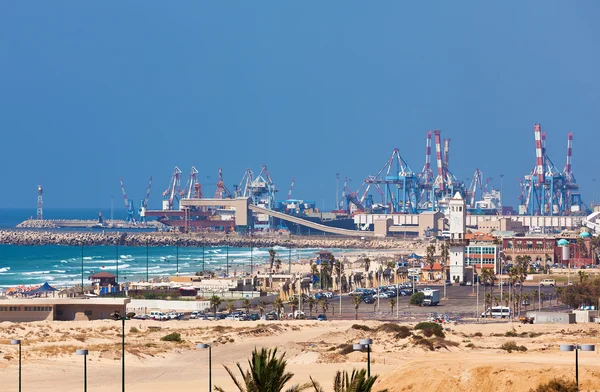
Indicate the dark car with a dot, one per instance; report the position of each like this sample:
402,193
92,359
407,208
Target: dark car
319,296
271,316
311,318
368,299
253,317
322,317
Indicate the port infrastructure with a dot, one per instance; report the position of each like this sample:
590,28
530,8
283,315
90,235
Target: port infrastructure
546,190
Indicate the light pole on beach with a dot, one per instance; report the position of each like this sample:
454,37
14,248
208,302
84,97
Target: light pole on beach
365,344
203,244
18,342
117,316
177,257
227,255
209,347
84,353
576,348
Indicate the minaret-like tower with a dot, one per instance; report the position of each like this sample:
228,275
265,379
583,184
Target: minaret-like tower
40,203
457,210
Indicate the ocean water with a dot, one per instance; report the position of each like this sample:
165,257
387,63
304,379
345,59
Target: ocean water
61,266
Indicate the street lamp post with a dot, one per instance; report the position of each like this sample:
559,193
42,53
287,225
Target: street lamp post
289,257
117,268
209,347
82,268
365,344
117,316
18,342
576,348
147,261
84,353
177,256
227,254
251,254
203,245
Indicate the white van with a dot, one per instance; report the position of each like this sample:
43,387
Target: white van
548,282
497,312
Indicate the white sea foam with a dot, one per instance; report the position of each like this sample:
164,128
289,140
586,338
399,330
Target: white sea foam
88,258
4,270
58,271
35,273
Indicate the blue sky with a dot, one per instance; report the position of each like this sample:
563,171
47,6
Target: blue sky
92,91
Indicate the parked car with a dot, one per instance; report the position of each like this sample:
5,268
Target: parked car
525,302
321,317
328,294
253,317
271,316
311,318
156,315
368,299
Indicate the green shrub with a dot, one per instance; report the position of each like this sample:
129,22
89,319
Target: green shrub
149,296
478,334
429,329
360,327
470,345
417,299
512,333
134,330
172,337
512,346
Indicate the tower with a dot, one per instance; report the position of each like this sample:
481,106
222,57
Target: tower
40,203
457,217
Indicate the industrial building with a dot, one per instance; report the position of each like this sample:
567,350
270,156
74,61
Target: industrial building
60,309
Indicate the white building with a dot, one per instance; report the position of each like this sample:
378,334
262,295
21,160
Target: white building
457,216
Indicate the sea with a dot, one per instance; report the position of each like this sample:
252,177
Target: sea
62,266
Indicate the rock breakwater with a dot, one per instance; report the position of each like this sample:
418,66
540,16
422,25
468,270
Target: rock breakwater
38,238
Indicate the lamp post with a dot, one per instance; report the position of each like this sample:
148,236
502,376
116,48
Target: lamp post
576,348
84,353
203,245
251,254
501,177
209,347
147,261
289,257
82,268
117,316
365,344
18,342
227,255
177,256
117,261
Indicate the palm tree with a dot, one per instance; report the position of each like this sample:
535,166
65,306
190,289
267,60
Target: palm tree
559,292
314,270
430,259
582,276
230,306
246,304
367,264
496,301
324,304
303,298
266,373
261,307
311,303
215,302
355,382
445,249
542,298
325,273
392,304
356,301
279,307
277,265
293,301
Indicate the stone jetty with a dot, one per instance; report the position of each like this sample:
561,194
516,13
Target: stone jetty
35,238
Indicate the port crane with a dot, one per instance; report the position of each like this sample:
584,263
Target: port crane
222,192
144,203
128,205
172,192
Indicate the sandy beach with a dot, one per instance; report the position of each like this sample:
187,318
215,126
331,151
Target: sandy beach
467,359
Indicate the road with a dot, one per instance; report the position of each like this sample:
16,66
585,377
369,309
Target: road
461,301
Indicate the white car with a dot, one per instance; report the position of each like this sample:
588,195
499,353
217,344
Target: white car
158,316
380,295
328,294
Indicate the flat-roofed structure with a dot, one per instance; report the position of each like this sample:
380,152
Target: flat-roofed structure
61,309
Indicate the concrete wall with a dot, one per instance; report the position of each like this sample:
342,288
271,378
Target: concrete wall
26,313
142,306
585,316
552,317
91,311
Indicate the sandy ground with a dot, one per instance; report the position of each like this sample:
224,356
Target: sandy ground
461,361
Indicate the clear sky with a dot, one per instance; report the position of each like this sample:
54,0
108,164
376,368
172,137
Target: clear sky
91,91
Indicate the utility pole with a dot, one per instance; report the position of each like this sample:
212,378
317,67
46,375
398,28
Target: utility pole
337,190
593,192
112,218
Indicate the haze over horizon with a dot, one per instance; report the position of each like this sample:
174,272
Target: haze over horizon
97,91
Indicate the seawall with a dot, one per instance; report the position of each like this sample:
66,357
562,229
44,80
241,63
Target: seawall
38,238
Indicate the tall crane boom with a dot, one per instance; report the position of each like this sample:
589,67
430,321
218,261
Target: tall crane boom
172,191
291,188
128,205
148,193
